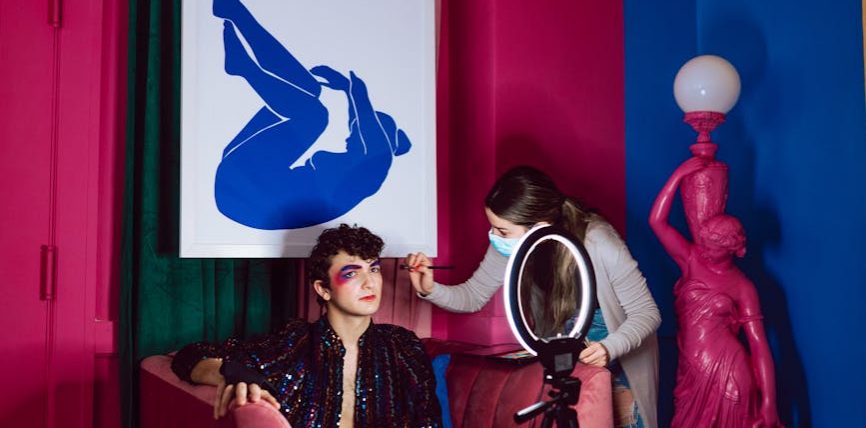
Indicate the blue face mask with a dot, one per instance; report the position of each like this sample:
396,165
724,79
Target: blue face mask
504,246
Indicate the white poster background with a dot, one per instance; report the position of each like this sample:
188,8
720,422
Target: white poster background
388,43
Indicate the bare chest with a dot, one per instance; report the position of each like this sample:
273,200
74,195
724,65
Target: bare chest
350,370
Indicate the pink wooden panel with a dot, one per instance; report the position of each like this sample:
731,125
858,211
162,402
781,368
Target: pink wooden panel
53,363
25,147
104,228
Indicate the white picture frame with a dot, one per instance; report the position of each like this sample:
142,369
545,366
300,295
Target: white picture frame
235,130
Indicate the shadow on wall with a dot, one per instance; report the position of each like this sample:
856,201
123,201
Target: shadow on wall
763,233
792,393
742,42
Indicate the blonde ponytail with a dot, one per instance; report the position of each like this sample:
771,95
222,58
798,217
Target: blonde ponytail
574,218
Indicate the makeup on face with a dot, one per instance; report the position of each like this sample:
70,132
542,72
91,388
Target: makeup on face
350,271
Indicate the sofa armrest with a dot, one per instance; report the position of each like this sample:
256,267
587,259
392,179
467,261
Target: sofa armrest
168,402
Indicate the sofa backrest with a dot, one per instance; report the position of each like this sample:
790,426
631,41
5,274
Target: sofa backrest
485,392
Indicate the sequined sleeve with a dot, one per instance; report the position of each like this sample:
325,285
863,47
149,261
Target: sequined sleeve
424,410
271,349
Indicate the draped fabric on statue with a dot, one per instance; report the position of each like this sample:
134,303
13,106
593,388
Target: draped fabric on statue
166,301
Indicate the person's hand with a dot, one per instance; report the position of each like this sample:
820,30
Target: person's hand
242,393
420,276
594,355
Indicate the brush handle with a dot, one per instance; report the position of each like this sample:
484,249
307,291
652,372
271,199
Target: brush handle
404,267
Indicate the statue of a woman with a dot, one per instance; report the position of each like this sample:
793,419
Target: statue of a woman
720,383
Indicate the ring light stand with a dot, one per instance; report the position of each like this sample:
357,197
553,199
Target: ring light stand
558,355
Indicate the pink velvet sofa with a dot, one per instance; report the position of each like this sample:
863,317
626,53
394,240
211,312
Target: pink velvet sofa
482,392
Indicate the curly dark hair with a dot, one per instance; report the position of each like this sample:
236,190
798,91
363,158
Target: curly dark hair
354,240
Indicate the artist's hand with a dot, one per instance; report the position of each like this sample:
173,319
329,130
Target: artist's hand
594,355
420,276
242,393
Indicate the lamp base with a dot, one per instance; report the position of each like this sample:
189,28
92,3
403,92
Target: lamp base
704,150
704,122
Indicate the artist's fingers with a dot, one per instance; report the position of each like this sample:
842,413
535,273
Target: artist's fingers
421,263
411,260
585,353
594,355
417,262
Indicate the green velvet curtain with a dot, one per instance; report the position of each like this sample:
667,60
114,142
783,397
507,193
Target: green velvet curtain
165,301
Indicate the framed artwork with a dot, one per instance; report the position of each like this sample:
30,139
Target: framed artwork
299,115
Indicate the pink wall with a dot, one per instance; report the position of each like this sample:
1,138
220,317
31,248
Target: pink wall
514,87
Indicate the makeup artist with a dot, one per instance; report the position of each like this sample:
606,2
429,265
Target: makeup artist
623,330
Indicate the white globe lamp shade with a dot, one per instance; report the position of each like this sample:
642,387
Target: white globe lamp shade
707,83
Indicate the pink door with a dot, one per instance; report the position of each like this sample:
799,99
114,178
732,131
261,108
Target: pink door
25,219
60,128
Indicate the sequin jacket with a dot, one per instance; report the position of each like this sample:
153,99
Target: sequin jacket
394,384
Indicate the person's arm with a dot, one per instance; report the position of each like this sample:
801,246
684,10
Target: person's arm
629,286
421,401
471,295
762,359
207,372
674,243
201,363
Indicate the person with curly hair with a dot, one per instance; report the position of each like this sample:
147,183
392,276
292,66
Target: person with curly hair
342,370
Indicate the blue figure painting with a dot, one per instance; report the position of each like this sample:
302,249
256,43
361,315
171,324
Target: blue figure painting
255,184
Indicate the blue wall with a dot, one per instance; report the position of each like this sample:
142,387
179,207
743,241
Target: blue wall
796,147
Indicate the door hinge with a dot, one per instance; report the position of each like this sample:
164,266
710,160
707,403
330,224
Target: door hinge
54,8
48,272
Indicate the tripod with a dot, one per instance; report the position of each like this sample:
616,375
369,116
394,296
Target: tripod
558,357
558,409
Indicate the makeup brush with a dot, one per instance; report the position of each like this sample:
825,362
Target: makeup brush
405,266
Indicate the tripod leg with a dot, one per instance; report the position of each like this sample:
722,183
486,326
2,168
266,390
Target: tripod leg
566,417
549,415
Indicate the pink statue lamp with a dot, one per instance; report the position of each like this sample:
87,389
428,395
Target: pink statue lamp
720,382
